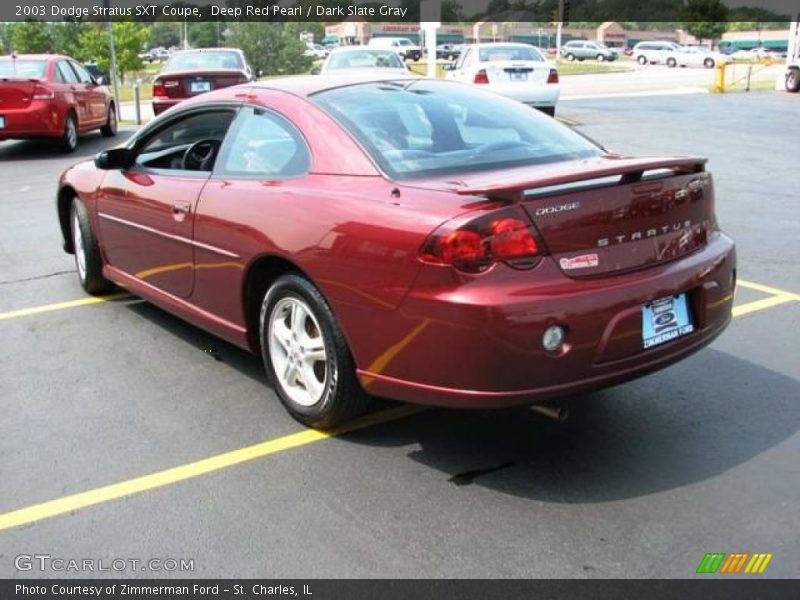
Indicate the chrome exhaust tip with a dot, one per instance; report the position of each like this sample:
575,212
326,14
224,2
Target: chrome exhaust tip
556,412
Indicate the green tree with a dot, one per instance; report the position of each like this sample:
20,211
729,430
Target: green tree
165,34
206,34
705,19
31,37
274,48
5,38
129,40
66,36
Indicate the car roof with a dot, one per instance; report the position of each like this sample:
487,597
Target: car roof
345,49
308,85
37,56
196,50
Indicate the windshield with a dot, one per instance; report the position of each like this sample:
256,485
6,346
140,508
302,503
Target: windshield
432,128
196,61
493,53
405,42
364,59
22,68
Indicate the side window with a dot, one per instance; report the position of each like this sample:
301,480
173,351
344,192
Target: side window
83,74
64,74
264,145
191,143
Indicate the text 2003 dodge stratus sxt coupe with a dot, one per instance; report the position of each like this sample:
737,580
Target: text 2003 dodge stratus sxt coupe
413,239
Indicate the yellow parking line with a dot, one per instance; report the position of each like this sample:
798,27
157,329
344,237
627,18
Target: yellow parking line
767,289
35,310
763,304
60,506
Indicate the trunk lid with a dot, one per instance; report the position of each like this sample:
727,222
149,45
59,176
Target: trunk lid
16,93
517,71
185,84
609,214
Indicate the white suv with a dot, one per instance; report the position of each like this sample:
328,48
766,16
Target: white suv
656,52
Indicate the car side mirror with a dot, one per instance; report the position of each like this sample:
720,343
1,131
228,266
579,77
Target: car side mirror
316,71
115,158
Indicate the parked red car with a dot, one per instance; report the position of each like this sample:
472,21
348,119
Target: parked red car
192,72
52,96
414,239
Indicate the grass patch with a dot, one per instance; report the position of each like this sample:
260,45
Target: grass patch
579,68
741,86
126,92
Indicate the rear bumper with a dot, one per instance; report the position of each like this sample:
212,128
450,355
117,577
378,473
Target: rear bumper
41,119
160,105
532,95
479,345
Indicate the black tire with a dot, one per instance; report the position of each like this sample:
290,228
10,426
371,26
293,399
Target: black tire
672,63
85,245
110,128
793,81
69,138
642,60
600,58
570,57
708,63
342,397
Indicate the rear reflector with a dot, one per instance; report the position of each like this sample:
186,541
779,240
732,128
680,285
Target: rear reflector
481,77
553,76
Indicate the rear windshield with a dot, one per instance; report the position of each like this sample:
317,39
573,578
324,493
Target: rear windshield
191,61
365,59
509,53
429,128
22,68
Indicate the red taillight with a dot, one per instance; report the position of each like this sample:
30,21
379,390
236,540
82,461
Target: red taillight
481,77
511,239
159,90
42,92
475,245
553,77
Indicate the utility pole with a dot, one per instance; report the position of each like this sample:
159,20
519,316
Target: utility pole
113,54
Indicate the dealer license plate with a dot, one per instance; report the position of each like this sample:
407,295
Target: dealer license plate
665,320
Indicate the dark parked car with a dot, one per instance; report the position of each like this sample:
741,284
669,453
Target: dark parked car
457,248
52,96
192,72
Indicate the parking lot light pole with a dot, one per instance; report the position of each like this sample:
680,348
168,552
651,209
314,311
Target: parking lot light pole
113,55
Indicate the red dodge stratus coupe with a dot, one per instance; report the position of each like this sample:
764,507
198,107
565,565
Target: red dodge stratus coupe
52,96
414,239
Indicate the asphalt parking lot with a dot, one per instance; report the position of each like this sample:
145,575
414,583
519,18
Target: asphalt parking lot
108,406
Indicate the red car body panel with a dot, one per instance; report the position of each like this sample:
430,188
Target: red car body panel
28,117
421,332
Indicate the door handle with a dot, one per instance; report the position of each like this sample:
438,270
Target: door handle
180,210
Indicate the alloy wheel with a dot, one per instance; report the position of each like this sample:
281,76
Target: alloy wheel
297,351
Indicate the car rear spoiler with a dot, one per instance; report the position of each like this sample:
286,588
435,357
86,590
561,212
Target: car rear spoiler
630,170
